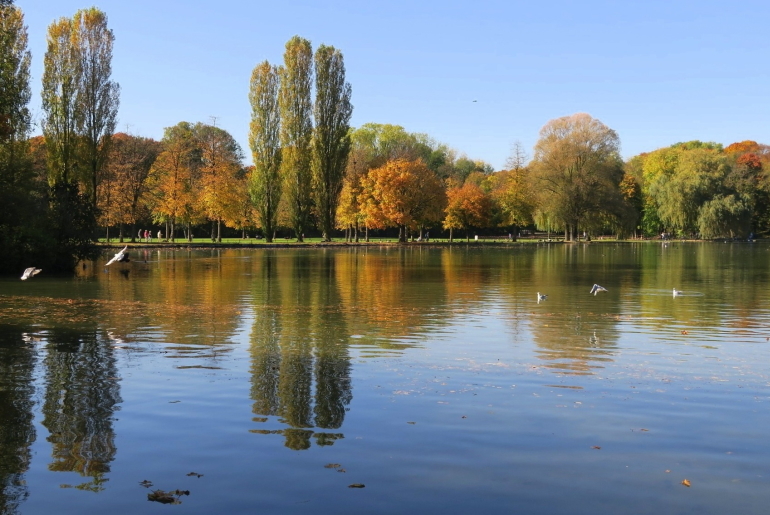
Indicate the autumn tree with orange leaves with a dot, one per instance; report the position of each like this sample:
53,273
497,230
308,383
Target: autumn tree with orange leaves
124,183
467,206
173,178
403,194
220,167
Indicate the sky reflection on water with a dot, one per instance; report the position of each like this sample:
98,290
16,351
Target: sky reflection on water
432,376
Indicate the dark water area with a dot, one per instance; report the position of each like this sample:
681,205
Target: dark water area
270,381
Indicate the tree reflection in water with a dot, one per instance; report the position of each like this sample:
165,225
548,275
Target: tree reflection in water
298,342
17,433
81,396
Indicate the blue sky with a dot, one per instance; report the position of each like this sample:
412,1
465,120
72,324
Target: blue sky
657,72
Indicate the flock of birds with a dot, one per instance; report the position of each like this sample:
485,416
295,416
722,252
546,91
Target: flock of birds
120,257
596,289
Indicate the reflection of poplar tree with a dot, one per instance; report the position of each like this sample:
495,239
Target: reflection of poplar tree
283,362
80,399
17,432
296,379
265,351
332,371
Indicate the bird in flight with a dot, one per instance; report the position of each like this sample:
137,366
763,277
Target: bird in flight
30,272
596,289
121,256
540,297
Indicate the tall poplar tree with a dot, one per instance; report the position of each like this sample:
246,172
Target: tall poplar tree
297,131
331,138
80,101
265,143
61,78
98,95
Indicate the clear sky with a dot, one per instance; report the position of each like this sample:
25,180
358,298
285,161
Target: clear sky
475,75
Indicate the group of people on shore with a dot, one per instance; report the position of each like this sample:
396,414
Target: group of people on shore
146,235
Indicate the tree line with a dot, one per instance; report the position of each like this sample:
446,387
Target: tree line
315,174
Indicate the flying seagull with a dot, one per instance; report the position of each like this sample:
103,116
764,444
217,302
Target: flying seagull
596,289
121,256
29,272
677,292
540,297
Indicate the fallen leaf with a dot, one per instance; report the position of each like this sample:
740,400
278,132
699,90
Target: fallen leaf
686,482
595,447
145,483
357,485
332,466
195,474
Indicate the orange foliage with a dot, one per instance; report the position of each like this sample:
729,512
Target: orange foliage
741,147
403,193
751,161
468,206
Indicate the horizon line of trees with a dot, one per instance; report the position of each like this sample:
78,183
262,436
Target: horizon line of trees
313,171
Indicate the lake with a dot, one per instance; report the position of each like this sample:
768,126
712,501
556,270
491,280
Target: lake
391,380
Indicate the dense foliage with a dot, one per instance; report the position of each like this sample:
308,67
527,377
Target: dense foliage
312,172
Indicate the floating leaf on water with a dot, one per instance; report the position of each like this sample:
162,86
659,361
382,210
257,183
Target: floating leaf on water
357,485
163,497
643,429
413,423
195,474
341,470
684,332
595,447
686,482
332,466
145,483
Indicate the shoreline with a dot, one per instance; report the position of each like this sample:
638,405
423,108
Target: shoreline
413,244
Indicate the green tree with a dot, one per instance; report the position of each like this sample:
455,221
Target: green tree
331,138
265,143
16,182
577,169
296,131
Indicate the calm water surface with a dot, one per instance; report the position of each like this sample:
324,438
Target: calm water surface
268,381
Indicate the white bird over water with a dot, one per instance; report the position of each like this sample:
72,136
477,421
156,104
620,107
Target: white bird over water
29,272
540,297
677,292
596,289
121,256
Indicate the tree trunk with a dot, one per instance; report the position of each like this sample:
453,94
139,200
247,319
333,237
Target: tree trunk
219,231
450,234
366,228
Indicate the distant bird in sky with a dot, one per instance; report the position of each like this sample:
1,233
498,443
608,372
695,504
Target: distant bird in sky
540,297
121,256
596,289
30,272
677,292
